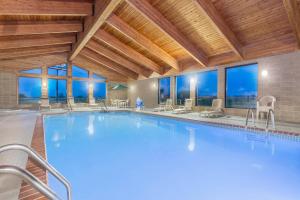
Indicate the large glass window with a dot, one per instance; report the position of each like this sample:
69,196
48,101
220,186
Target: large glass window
99,90
80,91
98,77
58,70
241,86
182,89
57,91
164,89
79,72
32,71
206,88
30,90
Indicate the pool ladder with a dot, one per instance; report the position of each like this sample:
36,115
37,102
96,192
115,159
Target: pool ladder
30,178
270,115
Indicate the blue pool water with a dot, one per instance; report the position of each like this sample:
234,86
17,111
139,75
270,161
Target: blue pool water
128,156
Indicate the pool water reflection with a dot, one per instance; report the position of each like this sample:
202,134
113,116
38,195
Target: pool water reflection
122,155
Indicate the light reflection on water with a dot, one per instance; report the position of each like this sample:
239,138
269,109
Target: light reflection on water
115,156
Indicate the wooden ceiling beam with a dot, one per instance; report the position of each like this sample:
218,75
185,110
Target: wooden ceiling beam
113,42
293,12
100,49
207,7
92,55
153,15
46,7
86,63
36,40
34,61
102,10
31,28
33,51
142,41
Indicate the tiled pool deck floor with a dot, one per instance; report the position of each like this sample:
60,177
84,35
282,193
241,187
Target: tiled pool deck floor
234,121
19,126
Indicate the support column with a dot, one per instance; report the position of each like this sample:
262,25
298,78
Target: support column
172,89
221,84
193,90
91,88
69,81
44,82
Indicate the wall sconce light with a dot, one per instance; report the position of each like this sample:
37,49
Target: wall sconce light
131,88
193,80
153,85
264,73
44,84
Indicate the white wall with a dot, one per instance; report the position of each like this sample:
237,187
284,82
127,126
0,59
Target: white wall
8,90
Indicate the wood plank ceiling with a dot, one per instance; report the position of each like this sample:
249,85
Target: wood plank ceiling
125,39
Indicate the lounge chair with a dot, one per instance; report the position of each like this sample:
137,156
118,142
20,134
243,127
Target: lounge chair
165,107
216,109
264,105
44,103
188,104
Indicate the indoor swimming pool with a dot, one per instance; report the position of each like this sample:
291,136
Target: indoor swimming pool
132,156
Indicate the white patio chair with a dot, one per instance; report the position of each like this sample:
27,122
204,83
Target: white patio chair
264,105
188,104
165,107
216,109
44,103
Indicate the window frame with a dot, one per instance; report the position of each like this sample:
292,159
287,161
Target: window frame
196,87
99,82
158,98
57,87
225,81
176,88
18,89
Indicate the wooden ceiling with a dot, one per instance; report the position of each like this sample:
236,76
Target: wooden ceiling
125,39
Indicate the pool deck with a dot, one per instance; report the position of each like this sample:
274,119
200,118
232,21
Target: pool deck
16,127
292,129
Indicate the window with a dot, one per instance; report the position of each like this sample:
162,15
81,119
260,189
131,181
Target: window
99,90
58,70
241,86
206,88
79,72
80,91
98,77
32,71
57,91
182,89
30,90
164,89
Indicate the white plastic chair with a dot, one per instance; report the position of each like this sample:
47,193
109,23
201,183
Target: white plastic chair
188,104
164,107
44,103
264,105
216,109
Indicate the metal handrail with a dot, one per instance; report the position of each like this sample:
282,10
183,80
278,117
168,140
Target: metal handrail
40,160
271,111
247,118
30,179
103,102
